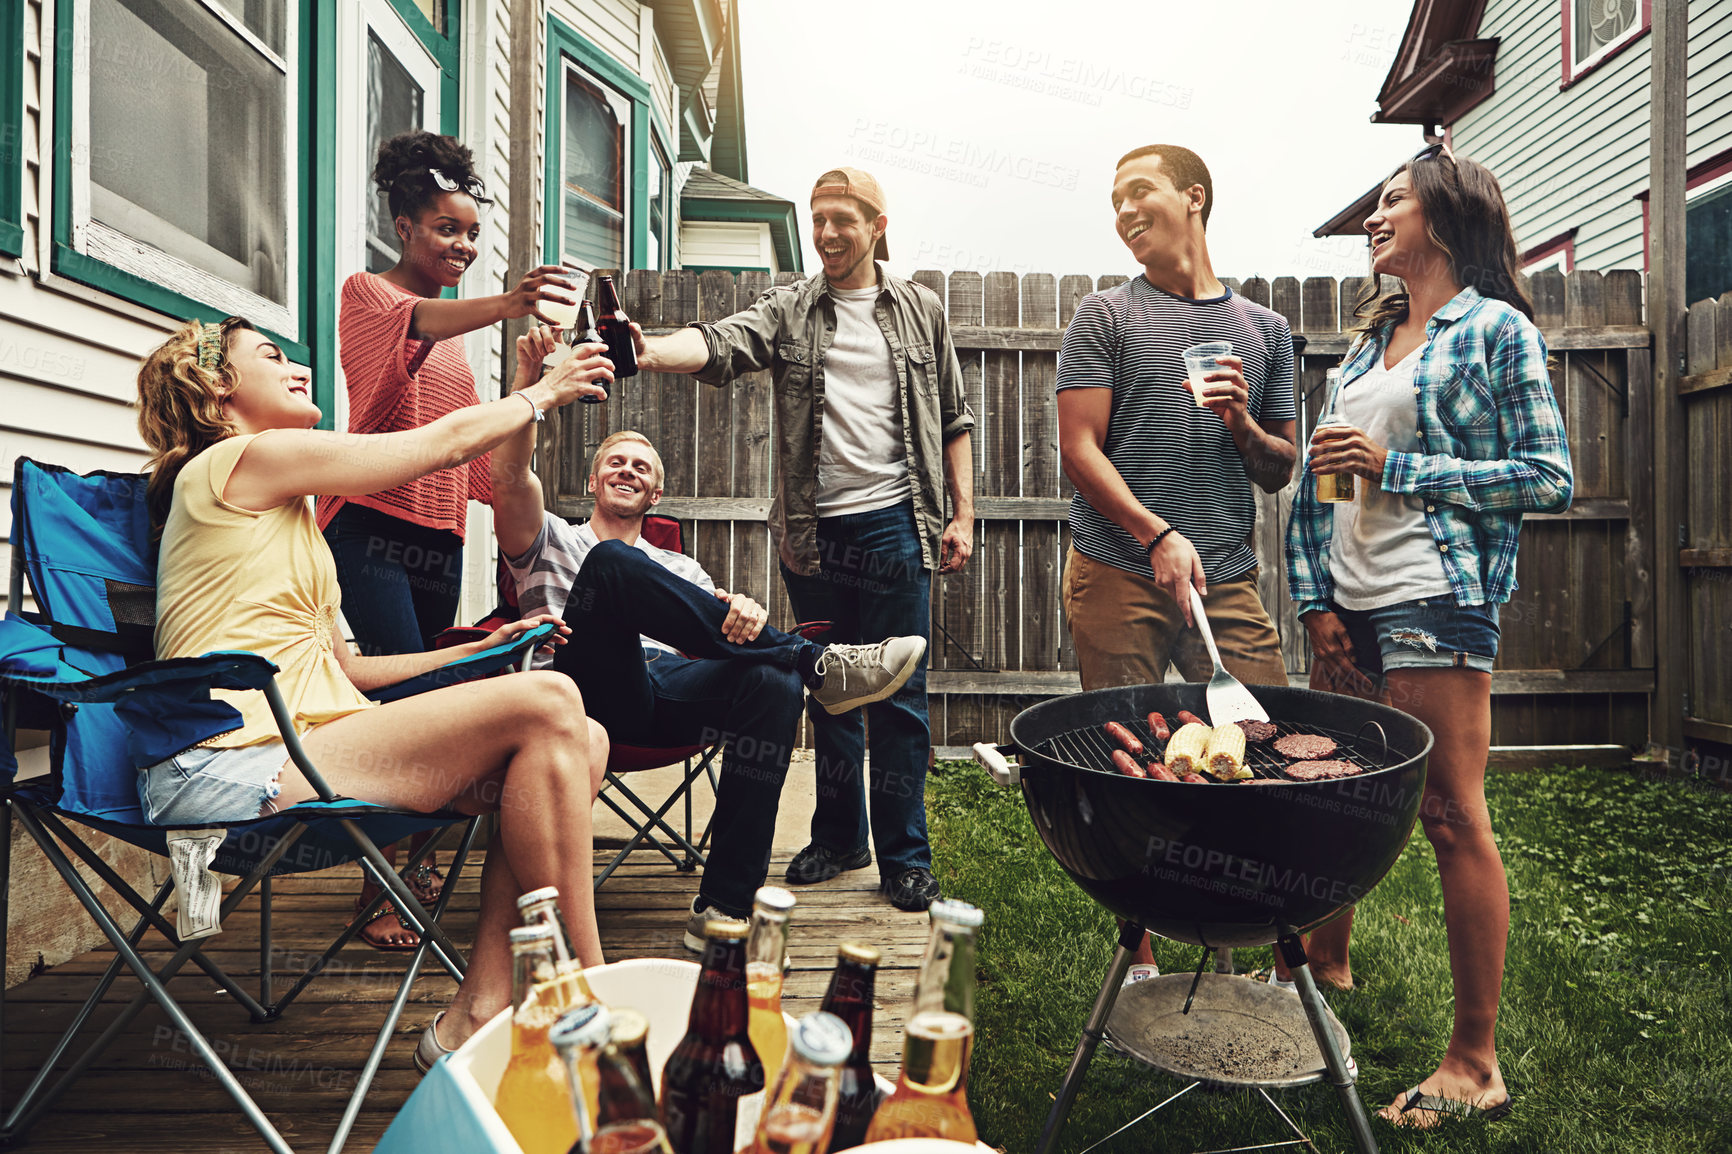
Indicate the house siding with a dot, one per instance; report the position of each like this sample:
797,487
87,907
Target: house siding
704,244
1577,157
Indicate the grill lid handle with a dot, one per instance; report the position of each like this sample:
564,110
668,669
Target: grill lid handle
992,757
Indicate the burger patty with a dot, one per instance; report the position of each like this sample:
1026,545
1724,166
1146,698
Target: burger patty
1322,770
1304,746
1257,730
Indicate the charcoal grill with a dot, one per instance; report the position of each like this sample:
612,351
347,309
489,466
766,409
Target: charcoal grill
1217,865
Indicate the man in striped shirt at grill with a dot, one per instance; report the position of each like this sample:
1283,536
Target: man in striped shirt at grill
1164,498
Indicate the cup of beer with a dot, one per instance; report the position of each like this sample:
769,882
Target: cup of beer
1200,361
563,310
1332,486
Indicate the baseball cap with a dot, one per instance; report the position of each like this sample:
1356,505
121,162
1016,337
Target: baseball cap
863,187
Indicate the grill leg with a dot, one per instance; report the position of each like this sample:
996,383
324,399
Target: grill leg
1129,938
1334,1064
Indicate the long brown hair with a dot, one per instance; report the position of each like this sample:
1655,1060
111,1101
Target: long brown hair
1466,217
180,406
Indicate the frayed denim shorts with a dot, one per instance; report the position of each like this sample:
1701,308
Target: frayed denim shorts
1432,633
204,786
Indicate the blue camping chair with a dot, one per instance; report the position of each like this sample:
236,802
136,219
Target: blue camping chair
82,668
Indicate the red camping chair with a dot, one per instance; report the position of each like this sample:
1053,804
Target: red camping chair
699,760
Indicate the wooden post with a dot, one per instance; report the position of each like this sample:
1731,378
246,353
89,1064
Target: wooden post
524,211
1667,160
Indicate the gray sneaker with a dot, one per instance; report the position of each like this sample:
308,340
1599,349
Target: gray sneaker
695,924
856,675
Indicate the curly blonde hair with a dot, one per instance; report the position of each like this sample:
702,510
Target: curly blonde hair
180,405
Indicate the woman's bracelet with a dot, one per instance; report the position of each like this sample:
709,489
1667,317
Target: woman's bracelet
1157,540
533,407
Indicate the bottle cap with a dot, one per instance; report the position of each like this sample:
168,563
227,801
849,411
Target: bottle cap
529,937
629,1028
774,898
859,952
957,913
822,1039
535,897
725,930
584,1026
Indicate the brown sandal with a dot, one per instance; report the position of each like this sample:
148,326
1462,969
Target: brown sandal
385,910
426,883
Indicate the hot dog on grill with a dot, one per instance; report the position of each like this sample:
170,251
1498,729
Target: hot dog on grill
1126,764
1186,717
1159,772
1159,727
1127,740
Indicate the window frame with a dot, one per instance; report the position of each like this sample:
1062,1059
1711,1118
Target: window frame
1574,70
563,44
1563,245
1701,178
12,128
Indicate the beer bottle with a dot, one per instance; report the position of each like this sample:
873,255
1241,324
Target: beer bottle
766,951
615,329
713,1083
849,997
542,906
630,1033
931,1096
532,1098
583,333
801,1110
1332,487
627,1122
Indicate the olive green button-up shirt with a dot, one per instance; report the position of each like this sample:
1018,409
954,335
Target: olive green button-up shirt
788,330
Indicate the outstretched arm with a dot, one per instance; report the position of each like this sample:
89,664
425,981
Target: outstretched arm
517,495
284,464
435,318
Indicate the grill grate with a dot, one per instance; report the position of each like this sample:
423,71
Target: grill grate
1091,748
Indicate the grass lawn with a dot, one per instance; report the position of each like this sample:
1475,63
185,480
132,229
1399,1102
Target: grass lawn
1616,1027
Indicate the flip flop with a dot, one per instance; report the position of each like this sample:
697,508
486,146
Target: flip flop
386,910
1416,1100
426,883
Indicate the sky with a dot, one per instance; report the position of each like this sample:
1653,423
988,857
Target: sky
994,126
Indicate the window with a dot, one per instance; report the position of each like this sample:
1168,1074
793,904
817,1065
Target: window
660,207
11,127
1708,240
1558,253
210,215
600,209
1595,30
594,164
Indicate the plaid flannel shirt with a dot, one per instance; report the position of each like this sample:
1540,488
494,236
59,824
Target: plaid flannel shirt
1497,450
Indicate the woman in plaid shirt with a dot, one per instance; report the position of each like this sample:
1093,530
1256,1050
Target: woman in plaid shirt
1450,433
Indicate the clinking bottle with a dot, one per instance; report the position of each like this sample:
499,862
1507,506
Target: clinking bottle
766,952
615,328
931,1096
852,987
532,1098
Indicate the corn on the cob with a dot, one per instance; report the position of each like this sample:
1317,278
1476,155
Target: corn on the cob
1186,749
1224,760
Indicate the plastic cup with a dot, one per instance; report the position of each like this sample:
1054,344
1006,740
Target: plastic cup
563,312
1200,361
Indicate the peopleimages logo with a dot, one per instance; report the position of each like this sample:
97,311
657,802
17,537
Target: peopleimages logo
951,158
1065,77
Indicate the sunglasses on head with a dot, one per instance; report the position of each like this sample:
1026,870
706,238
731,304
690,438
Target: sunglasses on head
1434,152
473,186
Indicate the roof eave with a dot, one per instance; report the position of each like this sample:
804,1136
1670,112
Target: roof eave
1457,79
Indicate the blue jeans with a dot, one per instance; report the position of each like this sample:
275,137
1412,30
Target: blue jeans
747,695
1432,633
872,584
400,580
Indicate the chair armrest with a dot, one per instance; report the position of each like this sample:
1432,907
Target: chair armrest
224,669
470,668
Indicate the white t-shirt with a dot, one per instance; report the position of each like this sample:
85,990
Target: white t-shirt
547,570
1383,552
861,464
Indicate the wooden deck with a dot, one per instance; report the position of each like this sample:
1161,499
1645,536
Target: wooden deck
149,1093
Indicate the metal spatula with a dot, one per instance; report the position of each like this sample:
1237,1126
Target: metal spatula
1228,700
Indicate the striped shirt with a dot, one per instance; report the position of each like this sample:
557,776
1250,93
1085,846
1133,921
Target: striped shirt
395,382
1179,460
1494,448
548,569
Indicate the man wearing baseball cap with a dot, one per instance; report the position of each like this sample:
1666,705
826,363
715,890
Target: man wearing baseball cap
871,431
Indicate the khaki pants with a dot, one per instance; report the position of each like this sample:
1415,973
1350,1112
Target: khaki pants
1126,629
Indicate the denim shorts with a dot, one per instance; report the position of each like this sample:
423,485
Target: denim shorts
1433,633
204,786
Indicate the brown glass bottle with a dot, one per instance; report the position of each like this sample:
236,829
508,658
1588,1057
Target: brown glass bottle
713,1082
583,333
626,1123
849,997
629,1031
615,329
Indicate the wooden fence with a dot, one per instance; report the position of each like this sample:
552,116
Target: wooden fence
1705,547
1578,650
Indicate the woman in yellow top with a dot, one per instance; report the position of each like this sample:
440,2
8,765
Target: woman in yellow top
243,566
